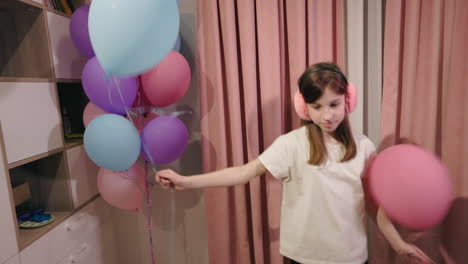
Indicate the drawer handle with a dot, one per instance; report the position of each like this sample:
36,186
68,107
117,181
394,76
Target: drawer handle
82,251
76,223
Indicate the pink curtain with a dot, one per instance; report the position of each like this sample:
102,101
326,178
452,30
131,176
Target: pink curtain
425,101
250,56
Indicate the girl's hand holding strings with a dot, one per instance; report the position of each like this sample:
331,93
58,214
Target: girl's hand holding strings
170,179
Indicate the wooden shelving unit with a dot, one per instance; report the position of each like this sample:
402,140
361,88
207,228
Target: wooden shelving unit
40,71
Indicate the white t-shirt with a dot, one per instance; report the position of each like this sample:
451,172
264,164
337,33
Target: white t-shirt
323,206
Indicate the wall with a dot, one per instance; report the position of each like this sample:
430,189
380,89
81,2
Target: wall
364,31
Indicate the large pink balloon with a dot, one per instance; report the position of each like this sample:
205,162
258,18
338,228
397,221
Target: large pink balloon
168,81
123,190
90,112
411,185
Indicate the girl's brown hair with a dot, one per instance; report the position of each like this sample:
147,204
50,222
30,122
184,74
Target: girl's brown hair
312,84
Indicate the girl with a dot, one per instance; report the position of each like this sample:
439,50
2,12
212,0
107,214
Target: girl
320,165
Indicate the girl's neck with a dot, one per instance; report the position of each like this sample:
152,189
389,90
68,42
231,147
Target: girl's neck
329,138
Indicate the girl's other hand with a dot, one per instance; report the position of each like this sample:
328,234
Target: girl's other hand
413,254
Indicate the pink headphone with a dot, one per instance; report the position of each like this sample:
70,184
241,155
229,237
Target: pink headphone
351,96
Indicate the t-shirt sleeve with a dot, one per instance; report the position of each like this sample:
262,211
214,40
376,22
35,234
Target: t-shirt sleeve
277,157
370,148
369,151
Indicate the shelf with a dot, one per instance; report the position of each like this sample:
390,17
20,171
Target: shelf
75,4
28,236
62,80
49,190
30,2
24,79
25,50
57,12
73,101
48,183
71,143
34,158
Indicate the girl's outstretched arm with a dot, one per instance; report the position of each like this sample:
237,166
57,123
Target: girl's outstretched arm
226,177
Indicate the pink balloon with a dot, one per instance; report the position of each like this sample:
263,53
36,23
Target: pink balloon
411,185
90,112
123,190
168,81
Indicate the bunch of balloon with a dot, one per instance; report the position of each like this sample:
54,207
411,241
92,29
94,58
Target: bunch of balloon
134,71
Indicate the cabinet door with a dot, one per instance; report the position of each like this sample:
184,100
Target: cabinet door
30,118
8,242
68,62
83,175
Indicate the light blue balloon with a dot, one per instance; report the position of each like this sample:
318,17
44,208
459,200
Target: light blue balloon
177,44
130,37
112,142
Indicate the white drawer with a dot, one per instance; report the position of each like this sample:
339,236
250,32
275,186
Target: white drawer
96,248
83,175
84,253
13,260
30,119
56,244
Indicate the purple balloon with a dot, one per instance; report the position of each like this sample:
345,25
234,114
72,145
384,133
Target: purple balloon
79,31
109,93
165,138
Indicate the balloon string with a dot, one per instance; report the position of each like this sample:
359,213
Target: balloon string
147,184
159,111
179,113
145,148
173,216
147,191
148,214
139,103
108,76
117,86
173,208
139,110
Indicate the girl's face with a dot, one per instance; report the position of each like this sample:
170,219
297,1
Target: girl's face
328,111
